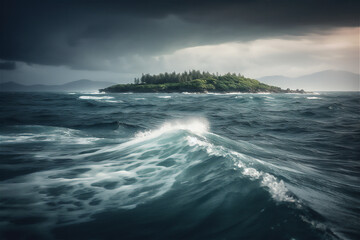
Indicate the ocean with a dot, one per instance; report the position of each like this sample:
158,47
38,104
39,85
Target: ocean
180,166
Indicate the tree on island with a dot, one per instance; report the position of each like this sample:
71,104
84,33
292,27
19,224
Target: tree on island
195,81
176,77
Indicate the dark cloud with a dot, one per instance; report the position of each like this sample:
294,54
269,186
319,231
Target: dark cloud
92,34
7,66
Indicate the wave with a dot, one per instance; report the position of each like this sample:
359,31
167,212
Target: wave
197,125
312,98
95,97
277,188
164,97
37,133
145,168
116,177
114,101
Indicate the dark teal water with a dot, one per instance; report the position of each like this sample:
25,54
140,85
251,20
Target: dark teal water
179,166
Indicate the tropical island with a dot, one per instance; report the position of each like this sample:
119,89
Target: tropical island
195,82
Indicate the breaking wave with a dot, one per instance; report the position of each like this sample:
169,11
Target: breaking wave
123,175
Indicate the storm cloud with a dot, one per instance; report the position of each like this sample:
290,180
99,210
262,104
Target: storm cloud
112,35
7,65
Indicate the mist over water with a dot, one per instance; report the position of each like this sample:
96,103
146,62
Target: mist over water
179,166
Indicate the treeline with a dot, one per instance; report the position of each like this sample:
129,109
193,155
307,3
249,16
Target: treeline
174,77
195,81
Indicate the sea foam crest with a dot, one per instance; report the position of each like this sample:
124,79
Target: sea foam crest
95,97
276,188
195,125
34,133
311,98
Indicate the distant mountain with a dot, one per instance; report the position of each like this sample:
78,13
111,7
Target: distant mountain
328,80
83,85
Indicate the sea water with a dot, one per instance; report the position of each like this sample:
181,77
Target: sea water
179,166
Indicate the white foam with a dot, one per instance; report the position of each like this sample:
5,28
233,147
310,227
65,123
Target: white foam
314,224
210,148
211,93
276,188
164,96
114,101
95,98
312,98
251,172
94,92
47,134
233,93
196,125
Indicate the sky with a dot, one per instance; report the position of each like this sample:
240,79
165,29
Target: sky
58,41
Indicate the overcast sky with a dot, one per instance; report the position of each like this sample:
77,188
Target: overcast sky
58,41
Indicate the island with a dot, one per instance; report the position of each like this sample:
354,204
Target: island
195,81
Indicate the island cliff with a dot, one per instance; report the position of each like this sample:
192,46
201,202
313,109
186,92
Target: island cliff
195,81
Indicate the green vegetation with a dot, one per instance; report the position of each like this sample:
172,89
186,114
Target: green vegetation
194,81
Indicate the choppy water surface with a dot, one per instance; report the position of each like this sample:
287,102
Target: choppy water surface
179,166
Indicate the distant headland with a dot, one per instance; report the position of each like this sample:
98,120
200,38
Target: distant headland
82,85
196,82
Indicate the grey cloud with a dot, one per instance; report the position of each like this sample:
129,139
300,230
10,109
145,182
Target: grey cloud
7,65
